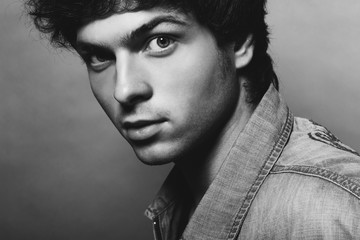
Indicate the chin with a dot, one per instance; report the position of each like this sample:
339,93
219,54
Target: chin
152,160
156,155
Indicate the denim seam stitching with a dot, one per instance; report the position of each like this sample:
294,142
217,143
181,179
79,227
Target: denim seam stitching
344,182
265,170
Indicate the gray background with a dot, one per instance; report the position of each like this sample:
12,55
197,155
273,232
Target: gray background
65,173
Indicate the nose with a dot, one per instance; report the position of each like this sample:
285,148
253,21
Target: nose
131,83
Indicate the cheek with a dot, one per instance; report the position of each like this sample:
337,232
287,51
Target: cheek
189,79
102,86
196,92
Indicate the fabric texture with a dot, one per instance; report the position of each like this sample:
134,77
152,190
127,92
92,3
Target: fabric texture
284,178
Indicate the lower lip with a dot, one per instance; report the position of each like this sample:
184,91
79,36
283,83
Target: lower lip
143,133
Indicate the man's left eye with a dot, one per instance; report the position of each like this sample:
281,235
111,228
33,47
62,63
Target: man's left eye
160,44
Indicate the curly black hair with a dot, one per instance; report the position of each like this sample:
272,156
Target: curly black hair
228,20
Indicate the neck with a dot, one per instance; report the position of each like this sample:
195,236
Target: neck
200,169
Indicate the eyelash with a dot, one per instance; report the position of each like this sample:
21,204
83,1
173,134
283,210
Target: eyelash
163,51
106,58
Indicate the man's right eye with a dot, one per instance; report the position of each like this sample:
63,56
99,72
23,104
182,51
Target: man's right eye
98,62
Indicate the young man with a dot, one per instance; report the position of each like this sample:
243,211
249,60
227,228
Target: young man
191,82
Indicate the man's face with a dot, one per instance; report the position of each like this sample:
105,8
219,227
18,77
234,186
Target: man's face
161,79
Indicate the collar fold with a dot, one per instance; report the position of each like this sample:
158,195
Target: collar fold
221,211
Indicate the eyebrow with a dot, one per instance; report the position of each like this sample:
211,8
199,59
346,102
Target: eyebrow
153,23
137,33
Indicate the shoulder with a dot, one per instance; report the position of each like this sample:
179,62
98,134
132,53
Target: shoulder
292,205
309,138
313,191
314,151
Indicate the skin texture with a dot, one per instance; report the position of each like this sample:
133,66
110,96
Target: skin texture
167,89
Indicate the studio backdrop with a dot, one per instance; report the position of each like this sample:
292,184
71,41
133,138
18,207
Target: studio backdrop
66,173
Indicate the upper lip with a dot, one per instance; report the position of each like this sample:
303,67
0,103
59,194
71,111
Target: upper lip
140,123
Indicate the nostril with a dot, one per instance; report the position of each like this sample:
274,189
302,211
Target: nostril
133,100
133,93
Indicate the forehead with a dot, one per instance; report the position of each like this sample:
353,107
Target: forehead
124,23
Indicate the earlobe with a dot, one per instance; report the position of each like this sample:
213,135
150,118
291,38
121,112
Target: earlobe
244,54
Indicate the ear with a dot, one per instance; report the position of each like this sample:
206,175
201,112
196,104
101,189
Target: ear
244,54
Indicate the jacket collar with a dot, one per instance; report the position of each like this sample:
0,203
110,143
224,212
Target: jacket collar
222,209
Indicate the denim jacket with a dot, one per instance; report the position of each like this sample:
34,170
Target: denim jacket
284,178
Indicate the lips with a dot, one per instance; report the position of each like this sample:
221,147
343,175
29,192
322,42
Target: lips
141,130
